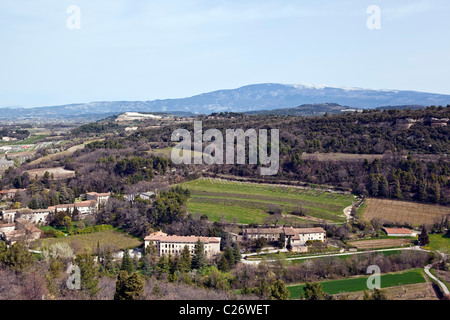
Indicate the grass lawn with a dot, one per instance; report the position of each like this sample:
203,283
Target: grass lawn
360,283
439,242
250,202
89,241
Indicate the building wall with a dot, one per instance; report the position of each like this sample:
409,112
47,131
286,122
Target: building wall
176,248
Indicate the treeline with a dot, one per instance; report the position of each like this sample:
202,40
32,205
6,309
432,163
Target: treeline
97,127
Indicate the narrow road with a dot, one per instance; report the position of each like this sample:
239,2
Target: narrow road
333,255
441,284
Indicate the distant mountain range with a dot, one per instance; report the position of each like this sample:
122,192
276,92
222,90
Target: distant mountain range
256,97
307,110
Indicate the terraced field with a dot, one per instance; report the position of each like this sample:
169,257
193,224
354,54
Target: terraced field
382,243
250,202
403,211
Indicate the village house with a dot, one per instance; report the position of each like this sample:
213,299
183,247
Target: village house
149,195
297,237
38,216
9,194
101,198
24,231
84,207
174,245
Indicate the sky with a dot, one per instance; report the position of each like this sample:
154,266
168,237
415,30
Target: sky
61,52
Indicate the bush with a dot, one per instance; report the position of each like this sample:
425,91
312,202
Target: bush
96,228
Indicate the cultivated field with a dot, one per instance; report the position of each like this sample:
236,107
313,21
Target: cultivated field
360,283
89,241
250,202
417,291
382,243
403,211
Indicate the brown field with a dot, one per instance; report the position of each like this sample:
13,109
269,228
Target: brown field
418,291
413,213
58,173
382,243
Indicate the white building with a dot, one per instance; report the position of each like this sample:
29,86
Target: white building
38,216
296,236
174,245
101,198
84,207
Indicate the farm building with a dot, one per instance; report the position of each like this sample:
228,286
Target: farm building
101,198
84,207
9,194
296,236
38,216
23,231
166,244
398,232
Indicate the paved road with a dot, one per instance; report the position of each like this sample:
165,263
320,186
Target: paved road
335,254
441,284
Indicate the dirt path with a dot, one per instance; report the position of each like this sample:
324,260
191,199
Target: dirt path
441,284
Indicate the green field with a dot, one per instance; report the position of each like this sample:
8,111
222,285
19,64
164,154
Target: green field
249,202
439,242
89,241
360,283
30,140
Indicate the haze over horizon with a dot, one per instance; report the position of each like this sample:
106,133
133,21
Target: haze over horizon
143,51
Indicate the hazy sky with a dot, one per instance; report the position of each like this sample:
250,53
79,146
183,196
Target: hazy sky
146,50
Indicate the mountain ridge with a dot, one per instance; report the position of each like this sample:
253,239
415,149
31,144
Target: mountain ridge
254,97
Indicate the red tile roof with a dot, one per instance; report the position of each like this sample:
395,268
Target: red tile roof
161,236
397,231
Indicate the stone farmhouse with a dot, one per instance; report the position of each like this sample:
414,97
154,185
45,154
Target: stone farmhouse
23,230
297,237
38,216
174,245
84,207
101,198
9,194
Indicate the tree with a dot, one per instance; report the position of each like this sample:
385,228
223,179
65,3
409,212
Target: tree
88,273
424,239
199,259
67,223
75,214
129,287
224,265
229,255
127,263
314,291
279,290
162,268
18,258
184,261
377,294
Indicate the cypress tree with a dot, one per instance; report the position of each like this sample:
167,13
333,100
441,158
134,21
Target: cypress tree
127,263
424,239
128,287
88,273
184,260
199,260
229,255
